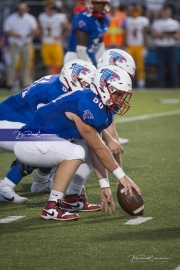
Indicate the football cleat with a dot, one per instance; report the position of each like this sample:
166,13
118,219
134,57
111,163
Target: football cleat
8,195
53,210
123,141
41,185
74,203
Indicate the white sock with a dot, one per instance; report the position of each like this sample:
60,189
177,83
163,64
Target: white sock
41,177
8,183
55,195
79,179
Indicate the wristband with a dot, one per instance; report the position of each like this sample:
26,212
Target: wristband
103,182
118,173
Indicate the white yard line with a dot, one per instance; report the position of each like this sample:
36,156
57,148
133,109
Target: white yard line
137,221
146,116
177,268
10,219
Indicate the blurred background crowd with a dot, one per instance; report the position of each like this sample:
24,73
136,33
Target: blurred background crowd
150,24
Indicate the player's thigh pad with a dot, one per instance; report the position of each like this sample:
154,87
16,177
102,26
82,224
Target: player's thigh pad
9,145
85,146
48,154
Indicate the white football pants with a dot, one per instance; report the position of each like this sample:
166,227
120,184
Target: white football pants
9,145
50,153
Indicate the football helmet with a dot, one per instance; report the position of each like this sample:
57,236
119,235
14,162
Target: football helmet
98,7
118,58
77,74
114,86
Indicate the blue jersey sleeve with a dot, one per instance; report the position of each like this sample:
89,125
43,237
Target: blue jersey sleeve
93,113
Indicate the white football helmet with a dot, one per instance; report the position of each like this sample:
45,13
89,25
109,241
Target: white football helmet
114,86
77,74
98,11
119,58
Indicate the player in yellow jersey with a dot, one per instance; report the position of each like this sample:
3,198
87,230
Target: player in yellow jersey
54,28
136,33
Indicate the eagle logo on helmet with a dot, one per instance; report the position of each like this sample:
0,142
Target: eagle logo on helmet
116,57
108,76
76,70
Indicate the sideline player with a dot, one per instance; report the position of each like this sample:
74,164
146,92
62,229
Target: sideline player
136,39
87,31
54,28
84,115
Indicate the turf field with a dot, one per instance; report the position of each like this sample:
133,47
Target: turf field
98,240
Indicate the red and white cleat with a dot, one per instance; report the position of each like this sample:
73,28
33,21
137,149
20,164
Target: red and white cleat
53,210
74,203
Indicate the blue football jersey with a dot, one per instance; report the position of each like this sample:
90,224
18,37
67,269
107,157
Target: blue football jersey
21,106
52,119
86,22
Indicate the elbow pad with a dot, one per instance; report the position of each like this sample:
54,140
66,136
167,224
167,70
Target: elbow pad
82,53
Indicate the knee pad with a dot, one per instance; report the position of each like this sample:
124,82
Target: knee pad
24,169
45,170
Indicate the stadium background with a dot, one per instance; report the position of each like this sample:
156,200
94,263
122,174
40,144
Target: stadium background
36,7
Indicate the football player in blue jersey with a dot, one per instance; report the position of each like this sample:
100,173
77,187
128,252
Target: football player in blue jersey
124,60
18,109
87,31
75,121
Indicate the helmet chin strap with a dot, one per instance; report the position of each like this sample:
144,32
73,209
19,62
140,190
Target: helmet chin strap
69,87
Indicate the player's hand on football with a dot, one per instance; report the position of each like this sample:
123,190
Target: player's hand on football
128,184
115,147
107,200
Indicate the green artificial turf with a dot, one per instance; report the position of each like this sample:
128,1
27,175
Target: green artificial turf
98,240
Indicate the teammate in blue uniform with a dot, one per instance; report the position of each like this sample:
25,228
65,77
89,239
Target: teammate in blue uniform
18,109
87,31
80,115
21,106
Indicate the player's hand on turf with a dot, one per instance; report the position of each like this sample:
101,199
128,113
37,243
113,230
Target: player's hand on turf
115,147
128,184
107,200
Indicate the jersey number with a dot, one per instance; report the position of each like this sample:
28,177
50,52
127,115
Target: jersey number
42,80
96,100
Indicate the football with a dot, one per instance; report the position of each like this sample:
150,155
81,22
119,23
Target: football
133,205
